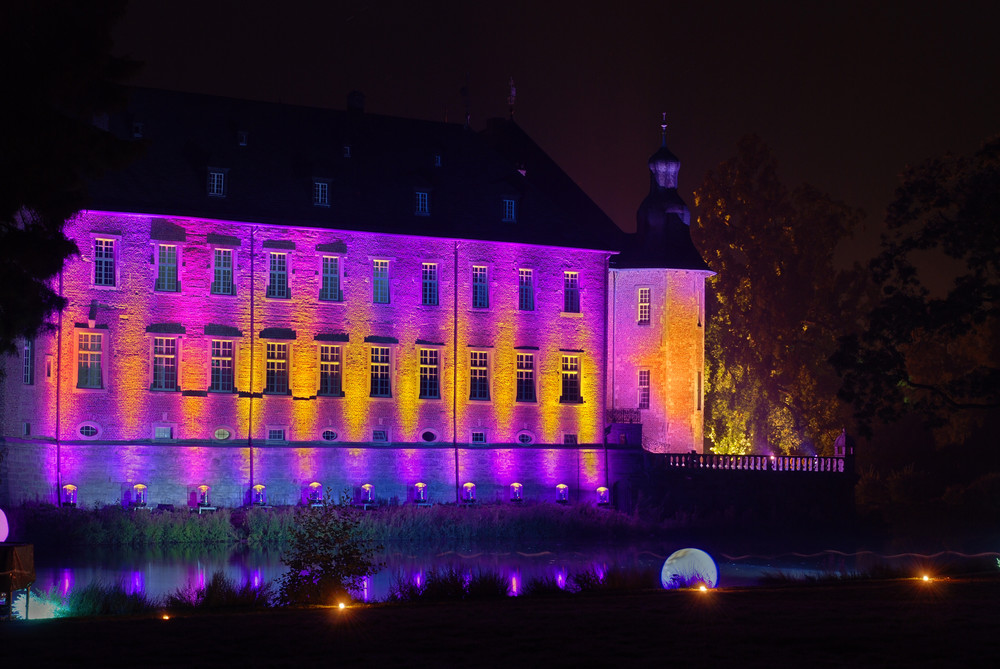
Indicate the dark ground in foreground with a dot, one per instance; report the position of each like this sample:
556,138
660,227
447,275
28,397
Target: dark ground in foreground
897,623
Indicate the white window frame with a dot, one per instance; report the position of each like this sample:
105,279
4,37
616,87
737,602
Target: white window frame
479,376
525,289
164,283
473,440
105,257
509,210
217,185
220,272
331,361
321,193
277,368
430,374
93,361
331,282
569,379
644,389
28,363
165,360
422,203
219,353
480,287
644,297
381,293
276,434
430,286
277,275
380,362
571,292
525,363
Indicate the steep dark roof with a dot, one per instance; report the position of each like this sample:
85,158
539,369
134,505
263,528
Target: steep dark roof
270,180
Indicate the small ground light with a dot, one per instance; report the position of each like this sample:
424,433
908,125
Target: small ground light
926,578
166,617
342,605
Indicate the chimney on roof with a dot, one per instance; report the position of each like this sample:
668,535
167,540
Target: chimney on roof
356,102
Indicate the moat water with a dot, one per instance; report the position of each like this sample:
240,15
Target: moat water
157,572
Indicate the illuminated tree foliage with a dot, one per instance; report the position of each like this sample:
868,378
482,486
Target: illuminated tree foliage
775,307
326,556
57,75
933,347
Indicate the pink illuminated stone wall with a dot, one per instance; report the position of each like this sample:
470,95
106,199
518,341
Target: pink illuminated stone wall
670,347
527,441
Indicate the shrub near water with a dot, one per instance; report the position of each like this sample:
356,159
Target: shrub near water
221,592
99,599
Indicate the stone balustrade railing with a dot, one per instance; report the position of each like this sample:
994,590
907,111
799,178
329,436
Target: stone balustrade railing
779,463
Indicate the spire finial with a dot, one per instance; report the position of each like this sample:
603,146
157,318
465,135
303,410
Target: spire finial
663,130
511,98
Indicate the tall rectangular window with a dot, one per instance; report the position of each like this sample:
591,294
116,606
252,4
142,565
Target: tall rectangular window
217,183
330,379
277,285
479,379
321,193
166,268
643,388
381,385
429,280
525,290
104,262
276,380
430,385
571,292
28,363
380,281
644,303
222,366
222,272
89,361
525,377
509,210
422,204
480,288
570,379
330,290
164,363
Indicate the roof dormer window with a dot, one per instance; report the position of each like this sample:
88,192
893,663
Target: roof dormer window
137,129
217,182
422,203
241,137
321,193
509,210
437,160
347,150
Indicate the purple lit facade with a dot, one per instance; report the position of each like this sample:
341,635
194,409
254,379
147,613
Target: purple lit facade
418,309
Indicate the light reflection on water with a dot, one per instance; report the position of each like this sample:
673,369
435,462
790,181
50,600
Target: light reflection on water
157,572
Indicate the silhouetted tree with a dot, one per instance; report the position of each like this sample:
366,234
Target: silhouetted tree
775,307
58,74
931,344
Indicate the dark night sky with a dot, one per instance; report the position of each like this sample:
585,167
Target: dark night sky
845,93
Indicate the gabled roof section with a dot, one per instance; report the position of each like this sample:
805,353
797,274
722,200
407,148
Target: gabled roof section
270,178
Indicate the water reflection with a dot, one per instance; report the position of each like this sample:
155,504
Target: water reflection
159,571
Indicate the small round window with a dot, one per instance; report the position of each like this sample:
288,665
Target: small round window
525,438
429,436
329,435
88,430
222,434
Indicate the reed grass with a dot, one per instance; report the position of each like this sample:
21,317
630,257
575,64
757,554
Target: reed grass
221,592
48,525
102,599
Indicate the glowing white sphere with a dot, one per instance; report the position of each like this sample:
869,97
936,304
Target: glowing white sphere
4,527
688,568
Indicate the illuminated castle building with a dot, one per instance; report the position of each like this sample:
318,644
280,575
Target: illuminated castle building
274,301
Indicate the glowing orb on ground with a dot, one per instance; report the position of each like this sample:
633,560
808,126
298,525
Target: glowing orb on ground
4,527
689,568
